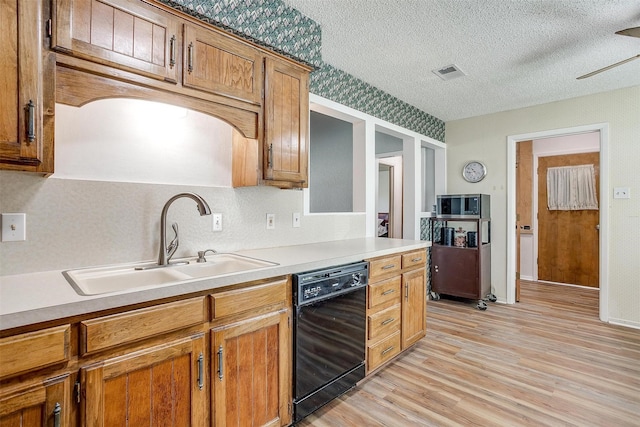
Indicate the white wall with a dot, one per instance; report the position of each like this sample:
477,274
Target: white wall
485,138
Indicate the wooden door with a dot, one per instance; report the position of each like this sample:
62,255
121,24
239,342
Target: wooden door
20,82
524,199
286,123
568,241
37,405
251,375
414,306
126,34
163,385
218,64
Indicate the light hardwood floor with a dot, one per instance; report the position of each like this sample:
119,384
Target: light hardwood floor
545,361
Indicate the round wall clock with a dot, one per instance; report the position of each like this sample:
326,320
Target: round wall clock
474,171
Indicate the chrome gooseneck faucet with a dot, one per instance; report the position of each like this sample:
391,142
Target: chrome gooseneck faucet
166,252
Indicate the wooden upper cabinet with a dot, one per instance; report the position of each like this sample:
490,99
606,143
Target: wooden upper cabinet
22,95
216,63
126,34
286,123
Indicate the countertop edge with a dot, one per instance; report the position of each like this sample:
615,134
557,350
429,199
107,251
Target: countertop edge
64,302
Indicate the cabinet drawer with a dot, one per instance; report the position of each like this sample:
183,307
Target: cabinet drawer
384,266
385,293
415,258
109,331
34,350
386,349
384,322
242,300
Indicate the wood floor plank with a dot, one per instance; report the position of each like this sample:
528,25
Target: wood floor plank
545,361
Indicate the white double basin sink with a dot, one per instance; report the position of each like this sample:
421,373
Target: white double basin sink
102,280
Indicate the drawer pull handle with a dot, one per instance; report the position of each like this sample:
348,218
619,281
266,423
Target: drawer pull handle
200,371
172,51
31,121
220,358
388,266
389,320
57,410
190,58
416,259
406,291
387,350
269,156
388,291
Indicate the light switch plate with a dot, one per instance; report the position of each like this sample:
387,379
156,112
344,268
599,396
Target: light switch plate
14,227
217,221
296,219
621,193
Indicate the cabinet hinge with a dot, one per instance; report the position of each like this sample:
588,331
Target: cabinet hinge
78,389
48,27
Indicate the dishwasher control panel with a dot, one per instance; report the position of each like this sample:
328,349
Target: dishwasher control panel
318,284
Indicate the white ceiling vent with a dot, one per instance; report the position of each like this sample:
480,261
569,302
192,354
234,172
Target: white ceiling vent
449,72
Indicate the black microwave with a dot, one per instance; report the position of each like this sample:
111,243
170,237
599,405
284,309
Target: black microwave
463,206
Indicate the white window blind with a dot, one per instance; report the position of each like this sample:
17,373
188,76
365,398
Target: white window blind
571,188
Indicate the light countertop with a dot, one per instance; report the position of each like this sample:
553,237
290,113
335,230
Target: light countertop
39,297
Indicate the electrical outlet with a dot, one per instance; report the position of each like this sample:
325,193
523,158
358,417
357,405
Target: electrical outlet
271,221
14,227
621,193
296,219
217,221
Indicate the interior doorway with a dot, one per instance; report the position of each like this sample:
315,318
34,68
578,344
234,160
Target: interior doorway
389,206
513,248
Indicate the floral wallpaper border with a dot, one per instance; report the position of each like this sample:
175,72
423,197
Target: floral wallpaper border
282,29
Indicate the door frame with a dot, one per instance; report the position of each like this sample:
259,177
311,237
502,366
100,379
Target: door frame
603,248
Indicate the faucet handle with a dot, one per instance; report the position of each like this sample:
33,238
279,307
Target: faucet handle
173,246
201,255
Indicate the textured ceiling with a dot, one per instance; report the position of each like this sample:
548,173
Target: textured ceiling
515,53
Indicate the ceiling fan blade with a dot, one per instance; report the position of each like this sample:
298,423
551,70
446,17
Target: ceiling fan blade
593,73
633,32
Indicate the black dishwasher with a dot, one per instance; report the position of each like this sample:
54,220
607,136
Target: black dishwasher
329,334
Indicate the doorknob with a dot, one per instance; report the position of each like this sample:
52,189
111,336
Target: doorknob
597,226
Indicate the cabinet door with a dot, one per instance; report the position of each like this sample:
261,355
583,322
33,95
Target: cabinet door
126,34
414,306
286,123
219,64
163,385
454,271
251,378
21,99
37,405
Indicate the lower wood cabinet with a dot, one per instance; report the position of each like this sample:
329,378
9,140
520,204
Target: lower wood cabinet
43,403
162,385
251,379
414,306
396,305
